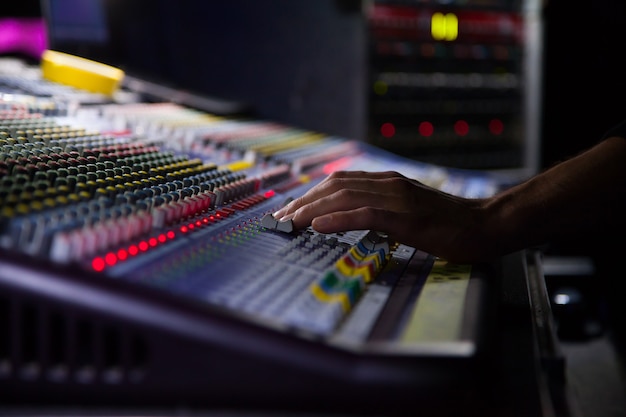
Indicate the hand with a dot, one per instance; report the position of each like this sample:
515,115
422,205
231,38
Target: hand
409,211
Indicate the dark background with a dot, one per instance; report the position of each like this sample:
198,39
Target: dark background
583,82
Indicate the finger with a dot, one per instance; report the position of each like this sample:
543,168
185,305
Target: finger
400,227
341,200
346,200
362,218
351,180
364,174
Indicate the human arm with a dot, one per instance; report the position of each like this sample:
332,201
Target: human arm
580,195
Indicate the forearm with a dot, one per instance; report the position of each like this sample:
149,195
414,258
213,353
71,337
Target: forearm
576,196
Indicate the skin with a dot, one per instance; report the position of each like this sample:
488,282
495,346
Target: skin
581,195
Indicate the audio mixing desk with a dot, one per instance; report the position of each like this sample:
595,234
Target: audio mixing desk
140,267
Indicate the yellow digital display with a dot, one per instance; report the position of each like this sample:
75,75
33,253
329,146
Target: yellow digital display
444,27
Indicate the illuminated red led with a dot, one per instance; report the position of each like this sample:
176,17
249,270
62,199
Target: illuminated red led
269,193
461,127
496,126
183,229
388,130
122,254
198,223
110,259
133,250
170,234
190,226
152,241
426,129
98,264
161,238
143,245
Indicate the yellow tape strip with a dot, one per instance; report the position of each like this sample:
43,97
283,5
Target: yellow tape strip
80,73
288,143
239,165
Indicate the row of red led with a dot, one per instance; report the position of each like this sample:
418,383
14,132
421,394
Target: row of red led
427,129
112,258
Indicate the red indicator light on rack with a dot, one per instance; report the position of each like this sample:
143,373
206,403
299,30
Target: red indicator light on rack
496,126
143,246
269,193
461,128
426,129
388,130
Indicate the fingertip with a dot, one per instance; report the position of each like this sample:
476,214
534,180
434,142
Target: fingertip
284,209
321,223
286,217
278,214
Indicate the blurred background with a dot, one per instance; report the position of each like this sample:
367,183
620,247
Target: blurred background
348,66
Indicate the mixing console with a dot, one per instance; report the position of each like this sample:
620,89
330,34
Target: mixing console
149,225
